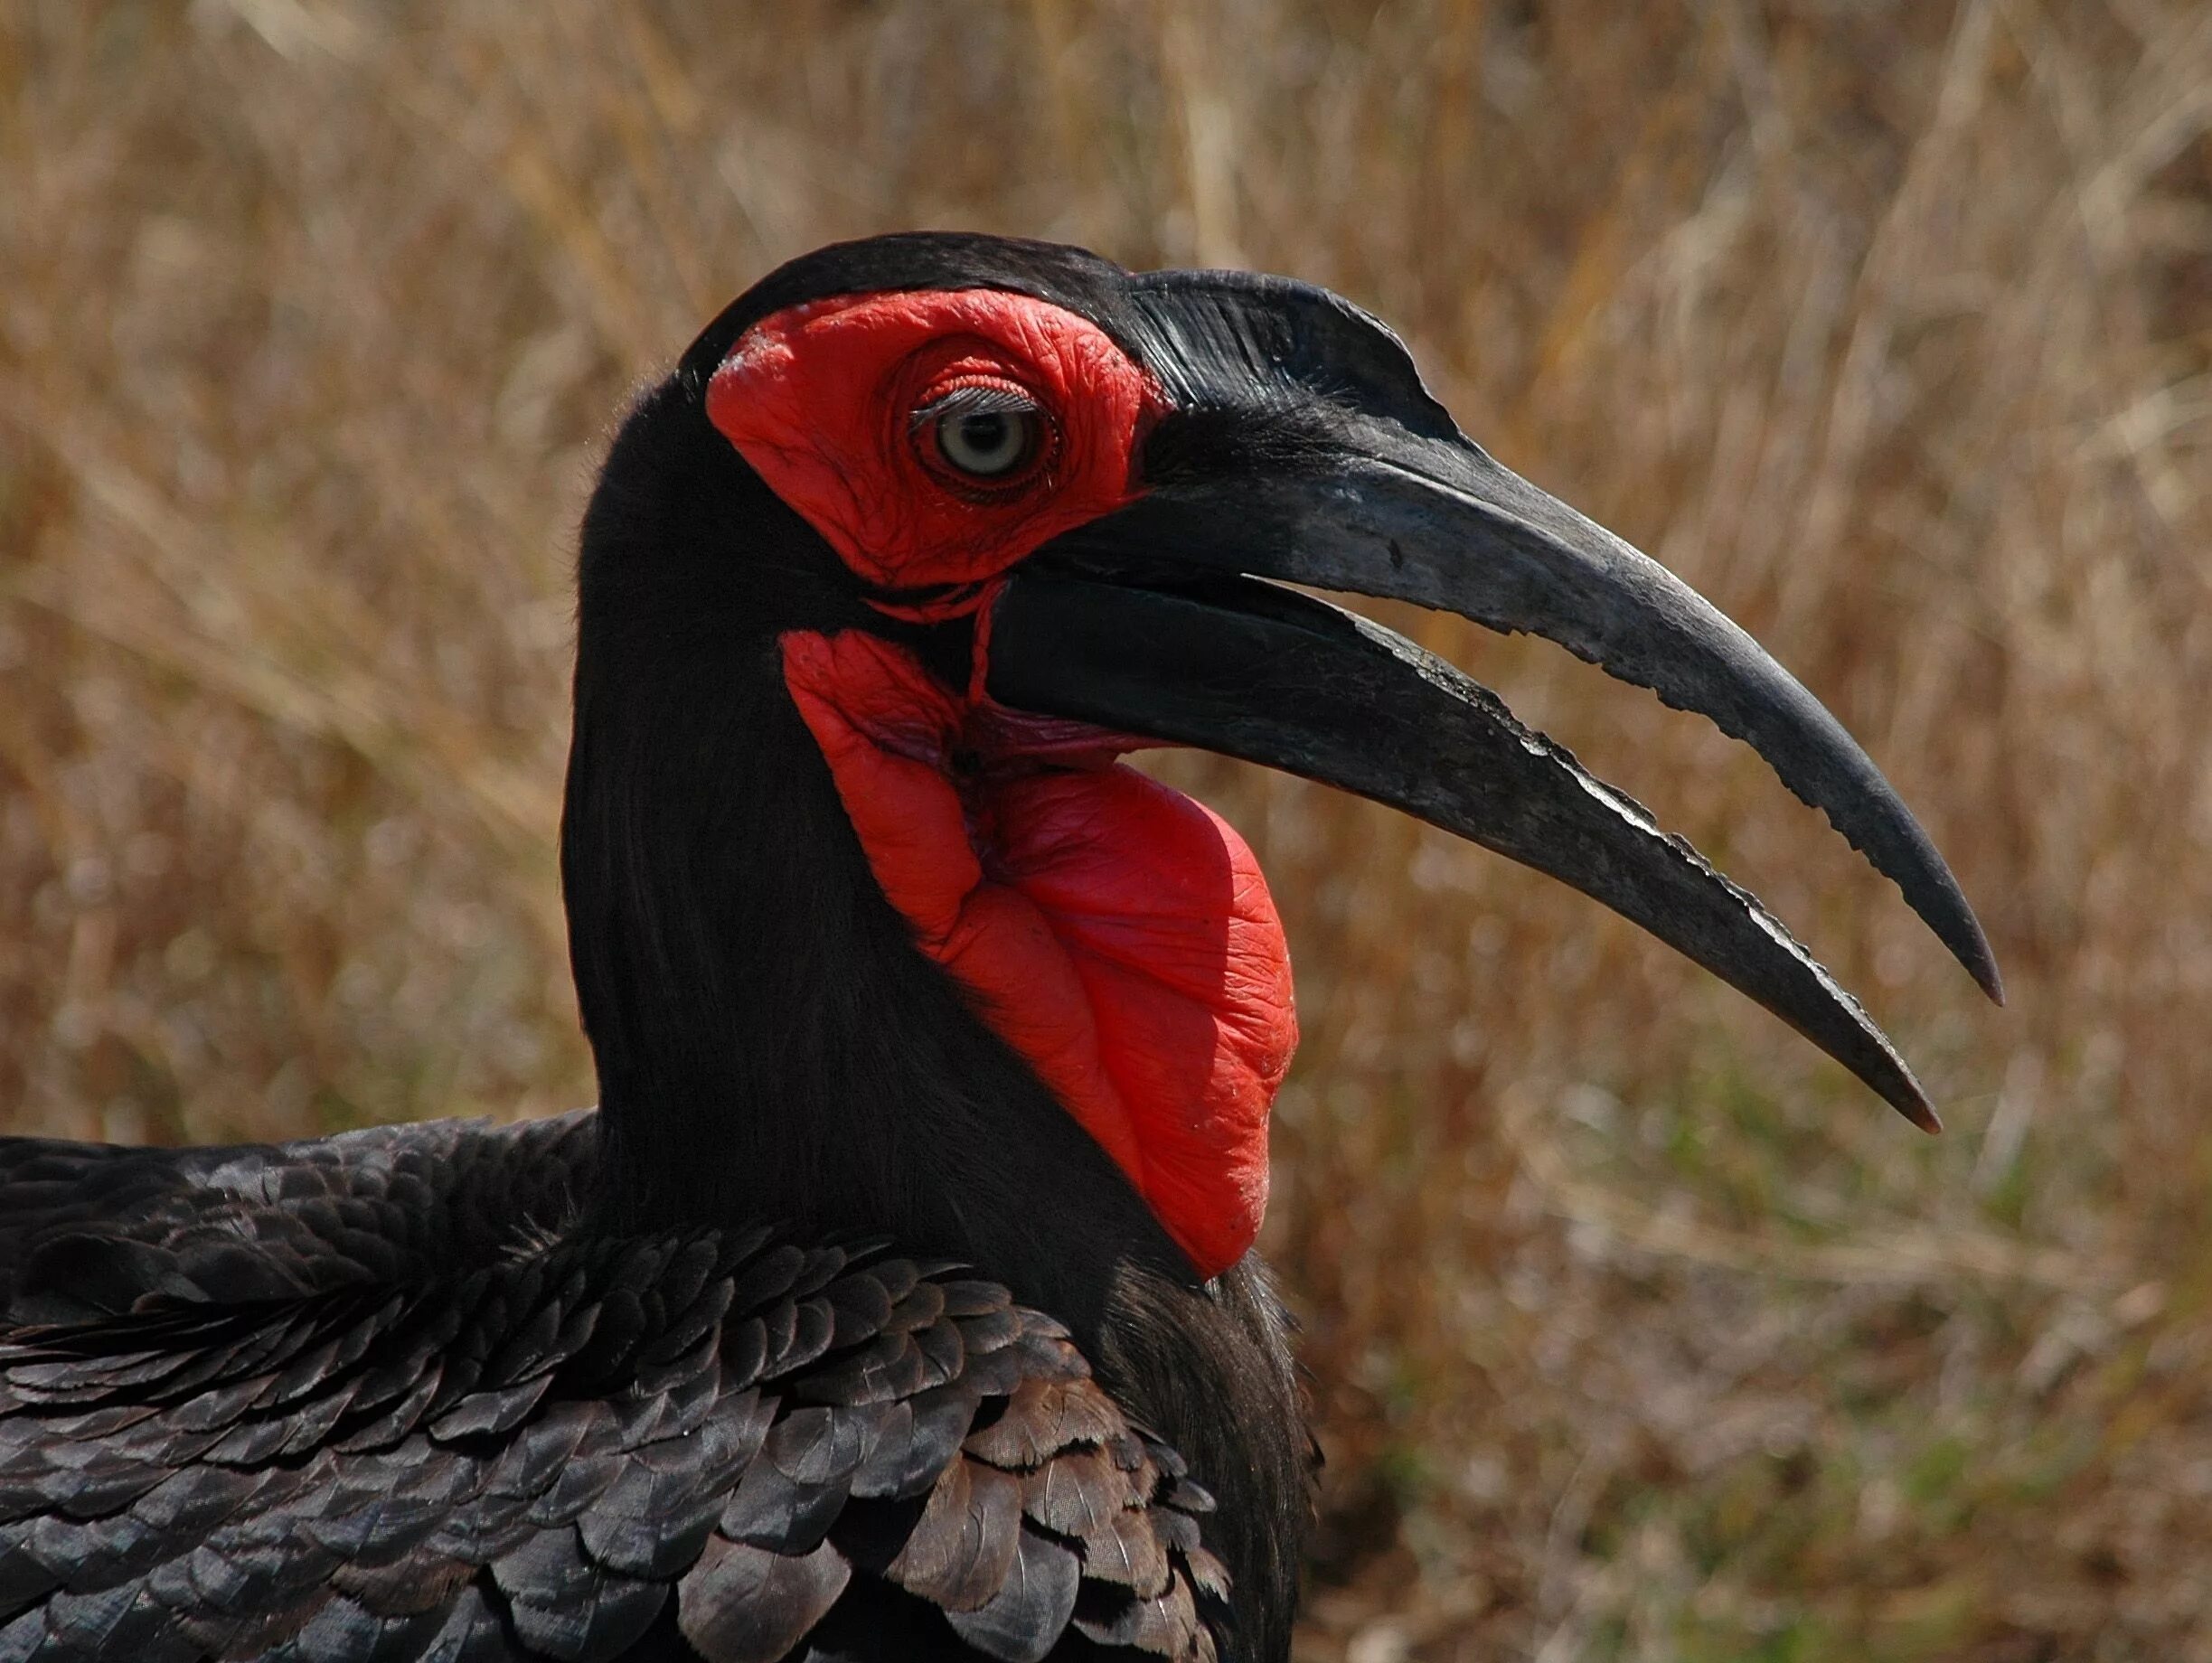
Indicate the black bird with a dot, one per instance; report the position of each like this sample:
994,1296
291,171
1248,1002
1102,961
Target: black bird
897,1299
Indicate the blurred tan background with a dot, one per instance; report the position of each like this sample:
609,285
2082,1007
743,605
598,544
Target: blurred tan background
1637,1330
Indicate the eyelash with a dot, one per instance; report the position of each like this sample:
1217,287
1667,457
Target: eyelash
983,395
976,399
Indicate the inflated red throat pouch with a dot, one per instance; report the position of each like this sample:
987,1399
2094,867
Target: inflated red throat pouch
1115,933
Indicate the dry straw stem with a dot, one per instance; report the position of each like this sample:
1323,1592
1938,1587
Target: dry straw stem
1637,1332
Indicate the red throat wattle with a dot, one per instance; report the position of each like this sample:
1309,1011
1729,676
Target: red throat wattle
1115,933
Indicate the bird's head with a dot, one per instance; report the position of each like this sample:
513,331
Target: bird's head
1015,511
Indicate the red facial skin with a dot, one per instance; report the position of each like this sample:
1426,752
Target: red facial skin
1115,933
820,400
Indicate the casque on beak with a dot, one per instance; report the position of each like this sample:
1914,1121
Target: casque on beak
1302,447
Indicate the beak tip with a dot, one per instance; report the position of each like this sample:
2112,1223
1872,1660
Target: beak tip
1971,947
1992,983
1934,893
1896,1084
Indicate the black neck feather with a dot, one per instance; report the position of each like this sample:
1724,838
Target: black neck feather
771,1045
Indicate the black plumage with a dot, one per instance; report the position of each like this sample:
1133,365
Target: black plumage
593,1386
752,1361
378,1396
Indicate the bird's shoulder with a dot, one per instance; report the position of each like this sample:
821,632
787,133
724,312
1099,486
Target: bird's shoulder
485,1443
89,1229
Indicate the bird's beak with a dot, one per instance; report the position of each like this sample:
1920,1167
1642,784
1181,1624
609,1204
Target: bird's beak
1152,621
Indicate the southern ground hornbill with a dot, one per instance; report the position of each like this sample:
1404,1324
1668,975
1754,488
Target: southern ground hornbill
898,1300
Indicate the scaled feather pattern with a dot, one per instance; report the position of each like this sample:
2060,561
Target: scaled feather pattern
378,1396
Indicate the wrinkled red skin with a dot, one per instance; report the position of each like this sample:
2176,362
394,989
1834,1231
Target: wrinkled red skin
1115,933
820,400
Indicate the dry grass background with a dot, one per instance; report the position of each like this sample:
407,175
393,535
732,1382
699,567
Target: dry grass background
1638,1331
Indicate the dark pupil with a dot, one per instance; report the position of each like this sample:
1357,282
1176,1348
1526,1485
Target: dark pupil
983,434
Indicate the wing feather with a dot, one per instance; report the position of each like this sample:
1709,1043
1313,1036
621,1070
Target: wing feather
384,1396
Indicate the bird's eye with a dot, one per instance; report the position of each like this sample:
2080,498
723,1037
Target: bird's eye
989,435
988,444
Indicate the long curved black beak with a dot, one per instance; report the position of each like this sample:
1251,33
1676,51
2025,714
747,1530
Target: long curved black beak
1304,449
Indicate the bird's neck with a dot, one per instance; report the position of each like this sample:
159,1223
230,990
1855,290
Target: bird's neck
773,1047
769,1041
